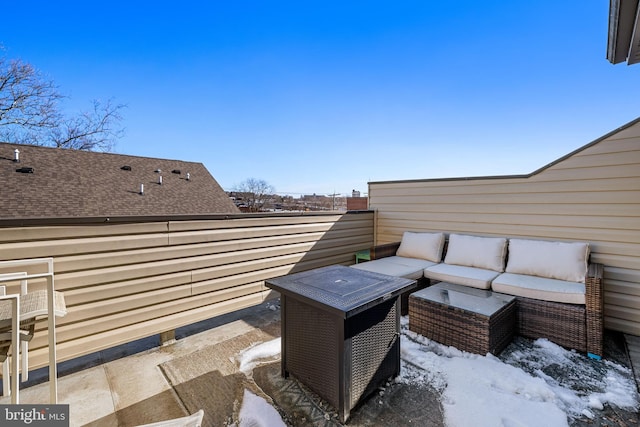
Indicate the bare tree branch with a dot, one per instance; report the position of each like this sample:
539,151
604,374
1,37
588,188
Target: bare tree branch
28,102
92,130
255,192
30,113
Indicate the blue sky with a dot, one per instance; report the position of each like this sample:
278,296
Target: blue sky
325,96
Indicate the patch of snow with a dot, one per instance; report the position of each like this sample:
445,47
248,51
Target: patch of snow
257,412
521,390
518,389
250,357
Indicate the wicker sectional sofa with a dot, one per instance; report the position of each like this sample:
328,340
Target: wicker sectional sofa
559,293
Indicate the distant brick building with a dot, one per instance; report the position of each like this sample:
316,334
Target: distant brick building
357,203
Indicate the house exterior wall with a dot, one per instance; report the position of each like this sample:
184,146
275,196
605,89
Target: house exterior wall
125,281
592,194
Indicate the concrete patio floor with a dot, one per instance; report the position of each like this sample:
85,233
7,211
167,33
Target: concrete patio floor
125,386
128,386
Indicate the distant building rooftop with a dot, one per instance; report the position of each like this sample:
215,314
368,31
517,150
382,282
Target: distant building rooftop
58,183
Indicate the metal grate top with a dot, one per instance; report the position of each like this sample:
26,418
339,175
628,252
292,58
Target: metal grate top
343,290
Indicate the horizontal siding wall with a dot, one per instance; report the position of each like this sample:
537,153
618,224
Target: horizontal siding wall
591,195
127,281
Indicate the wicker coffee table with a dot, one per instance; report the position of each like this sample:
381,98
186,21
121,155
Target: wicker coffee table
470,319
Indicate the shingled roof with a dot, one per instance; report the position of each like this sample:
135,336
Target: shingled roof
60,183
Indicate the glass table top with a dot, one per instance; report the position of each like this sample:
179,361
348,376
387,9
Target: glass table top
479,301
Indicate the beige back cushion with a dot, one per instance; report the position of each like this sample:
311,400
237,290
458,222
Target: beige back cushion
554,260
474,251
421,245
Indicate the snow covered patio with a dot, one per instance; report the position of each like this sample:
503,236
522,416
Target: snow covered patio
229,366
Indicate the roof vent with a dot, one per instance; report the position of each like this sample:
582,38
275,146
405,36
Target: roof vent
188,176
126,168
176,171
25,170
158,171
16,155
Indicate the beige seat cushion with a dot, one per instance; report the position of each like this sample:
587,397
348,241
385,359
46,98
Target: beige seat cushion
461,275
426,246
540,288
409,268
410,262
473,251
553,260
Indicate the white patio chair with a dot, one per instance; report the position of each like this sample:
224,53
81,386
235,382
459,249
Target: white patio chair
14,339
33,305
194,420
5,338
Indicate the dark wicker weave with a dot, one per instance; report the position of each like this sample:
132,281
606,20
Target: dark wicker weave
595,308
579,327
342,360
421,283
375,349
382,251
564,324
464,329
310,349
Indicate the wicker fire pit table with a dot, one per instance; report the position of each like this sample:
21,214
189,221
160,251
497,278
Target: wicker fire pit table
470,319
340,331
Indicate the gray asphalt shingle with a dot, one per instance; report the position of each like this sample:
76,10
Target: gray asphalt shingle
70,183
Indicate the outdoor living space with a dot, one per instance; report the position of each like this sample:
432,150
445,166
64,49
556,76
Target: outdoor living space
197,284
215,365
229,366
320,214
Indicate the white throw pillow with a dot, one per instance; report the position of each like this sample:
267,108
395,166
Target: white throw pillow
555,260
474,251
421,245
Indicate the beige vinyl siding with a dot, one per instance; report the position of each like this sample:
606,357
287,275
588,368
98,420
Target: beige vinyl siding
592,194
127,281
